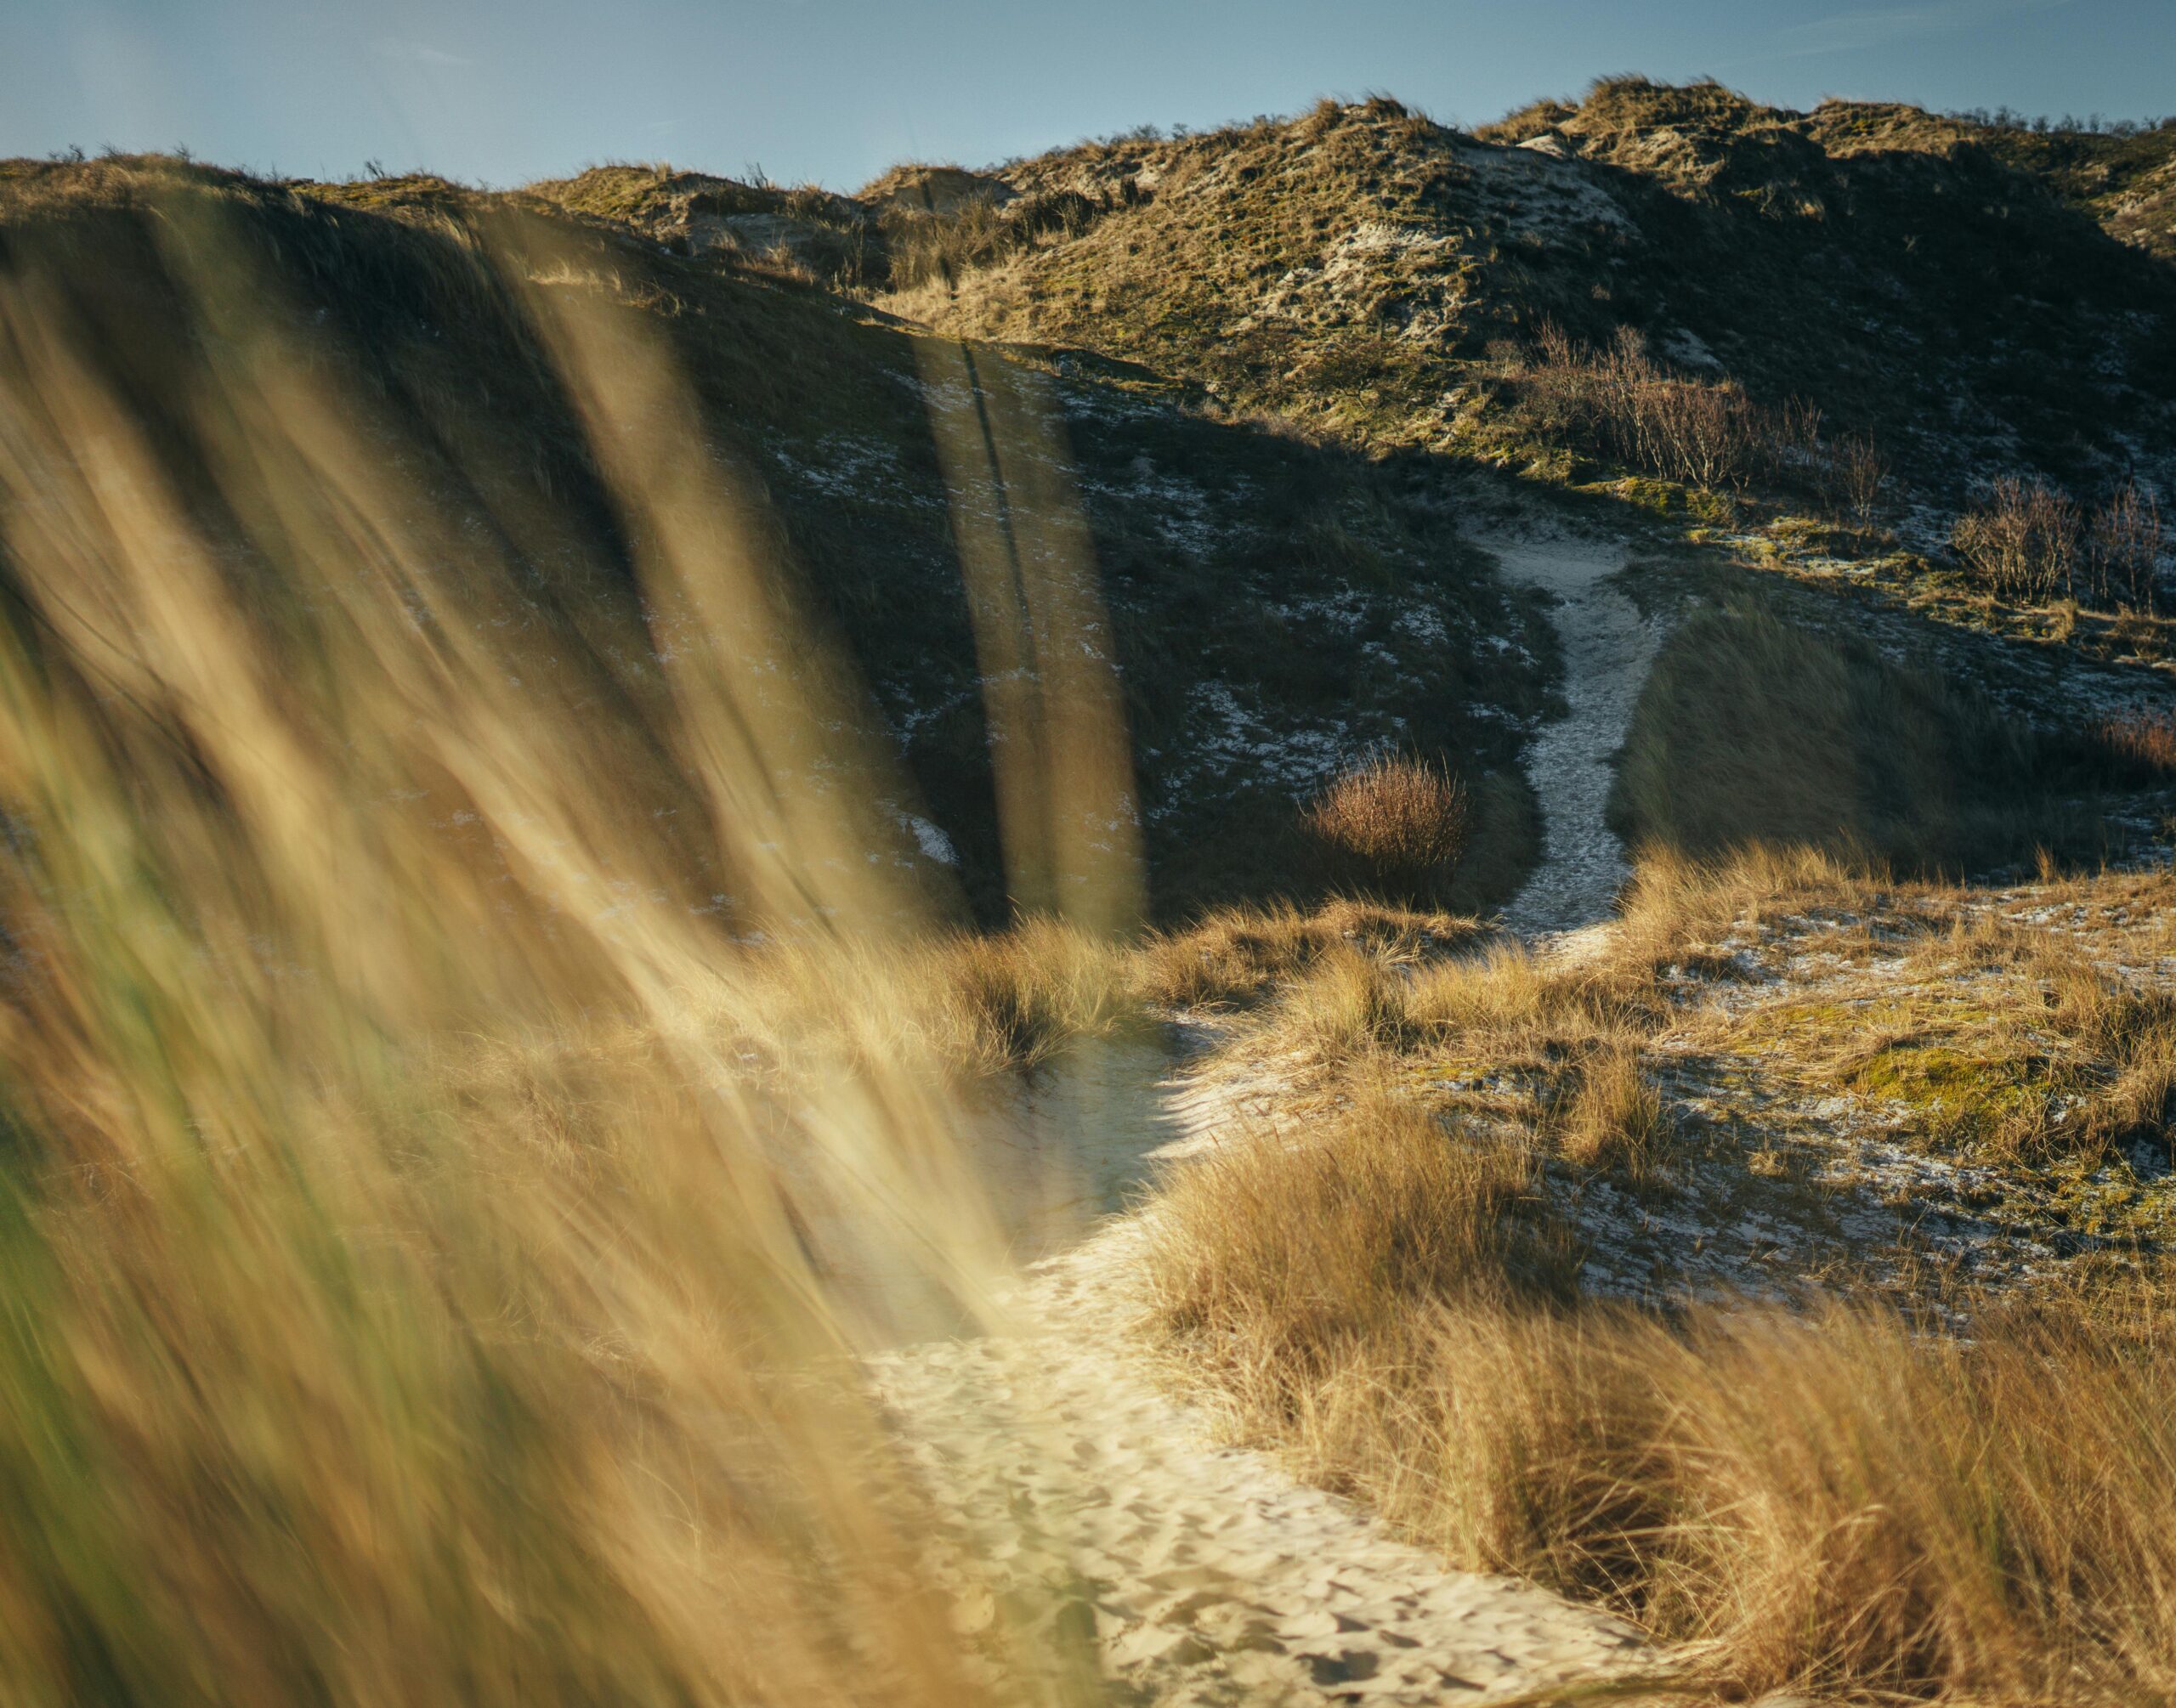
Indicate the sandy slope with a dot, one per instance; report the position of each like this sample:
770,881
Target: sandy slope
1198,1573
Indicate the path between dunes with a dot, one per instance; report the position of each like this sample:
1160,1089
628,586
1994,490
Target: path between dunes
1608,646
1206,1573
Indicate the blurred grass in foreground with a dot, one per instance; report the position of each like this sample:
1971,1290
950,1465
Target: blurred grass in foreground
411,1296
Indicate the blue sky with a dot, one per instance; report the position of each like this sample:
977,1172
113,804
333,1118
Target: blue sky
504,91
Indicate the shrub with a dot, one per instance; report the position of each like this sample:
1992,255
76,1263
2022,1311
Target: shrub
2022,542
2141,742
2029,540
2123,546
926,246
1623,404
1395,825
1857,470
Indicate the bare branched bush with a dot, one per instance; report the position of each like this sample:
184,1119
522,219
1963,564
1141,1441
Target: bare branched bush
1395,825
2123,546
1624,404
1857,470
2023,541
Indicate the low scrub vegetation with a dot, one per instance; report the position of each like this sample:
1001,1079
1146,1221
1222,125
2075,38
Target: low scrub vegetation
2029,541
2146,740
1618,403
1395,825
1834,1496
1621,405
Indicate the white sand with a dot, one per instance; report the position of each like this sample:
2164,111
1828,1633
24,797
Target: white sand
1607,647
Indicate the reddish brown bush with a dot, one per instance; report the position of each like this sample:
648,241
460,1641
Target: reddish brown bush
1624,404
2146,740
1394,826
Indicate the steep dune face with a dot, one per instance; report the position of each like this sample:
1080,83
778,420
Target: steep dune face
1364,269
1270,609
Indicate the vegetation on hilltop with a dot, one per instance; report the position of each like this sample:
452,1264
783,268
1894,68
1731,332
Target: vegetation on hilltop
1380,277
2124,177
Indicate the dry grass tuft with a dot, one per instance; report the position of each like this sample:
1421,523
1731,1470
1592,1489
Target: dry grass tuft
1238,955
2143,740
1275,1256
1613,1119
1830,1500
1008,1001
431,1299
1395,825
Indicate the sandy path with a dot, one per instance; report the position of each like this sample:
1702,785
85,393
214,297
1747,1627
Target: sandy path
1202,1573
1198,1573
1206,1573
1607,647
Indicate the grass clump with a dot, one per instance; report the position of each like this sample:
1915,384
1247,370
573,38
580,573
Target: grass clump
1395,825
1831,1498
1009,999
1238,955
416,1292
1283,1252
1613,1119
1752,729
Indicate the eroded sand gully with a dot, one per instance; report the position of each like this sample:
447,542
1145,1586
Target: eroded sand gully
1200,1573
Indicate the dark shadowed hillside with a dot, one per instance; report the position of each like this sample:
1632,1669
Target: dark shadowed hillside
1276,608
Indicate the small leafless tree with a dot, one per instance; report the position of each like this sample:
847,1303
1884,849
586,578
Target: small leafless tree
2024,541
1856,471
2123,548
